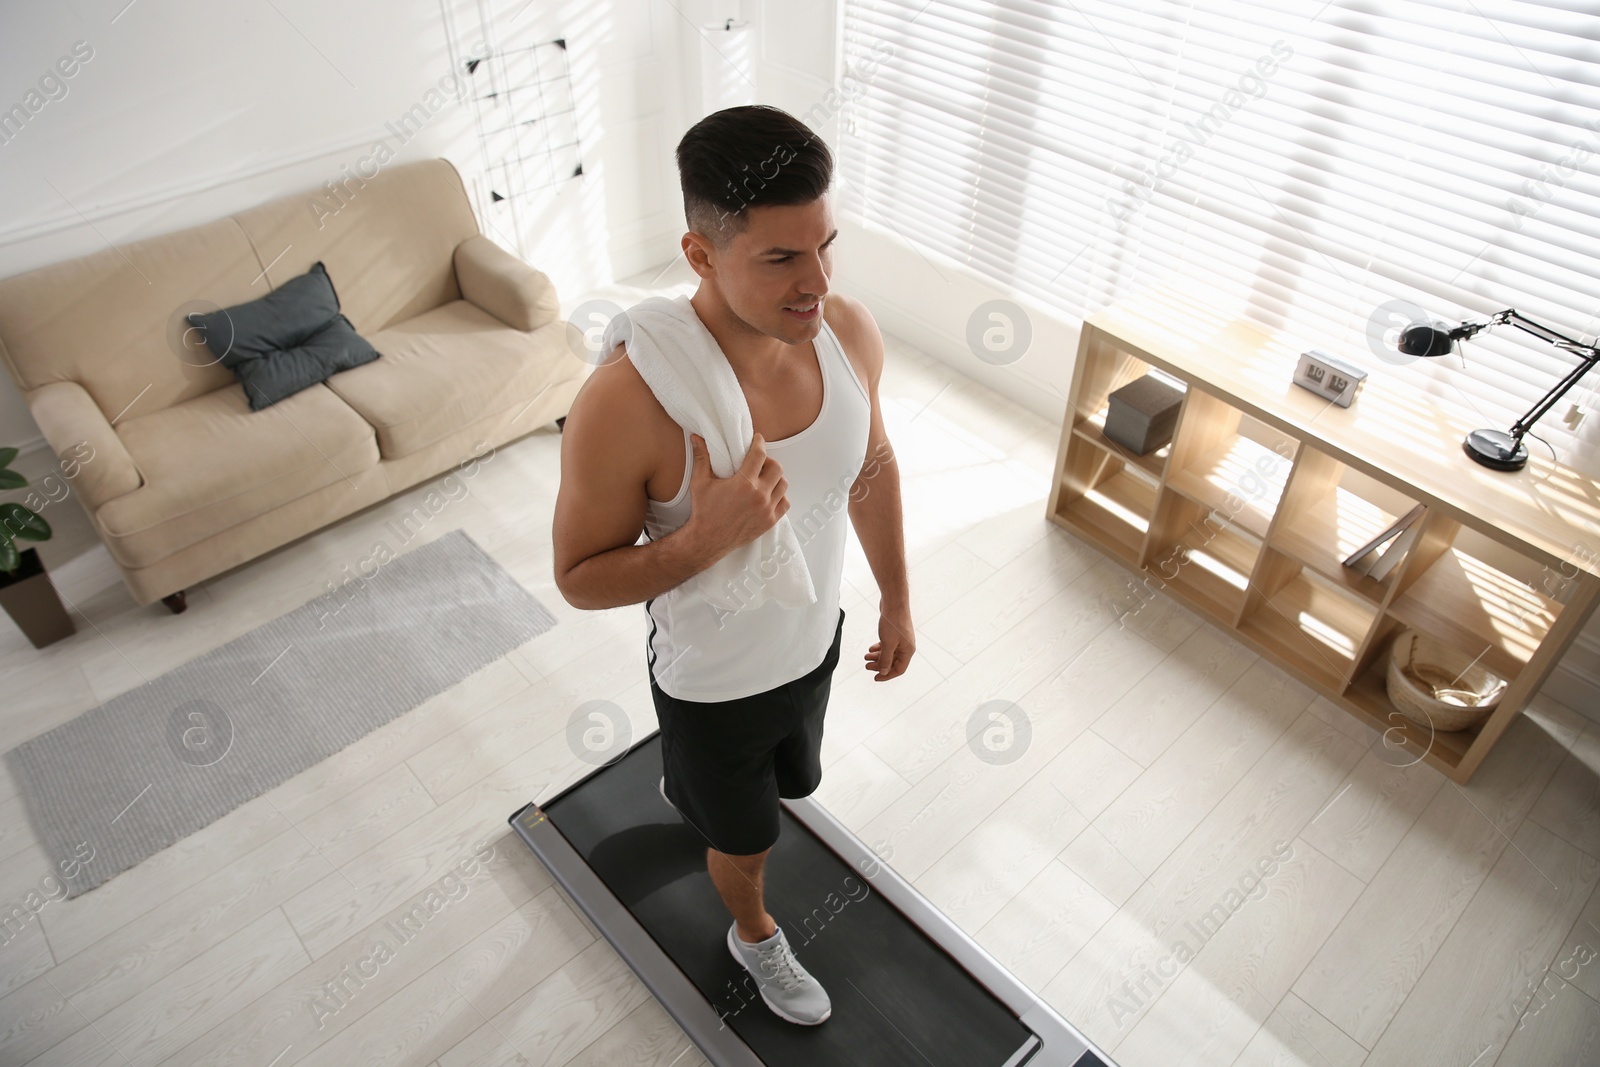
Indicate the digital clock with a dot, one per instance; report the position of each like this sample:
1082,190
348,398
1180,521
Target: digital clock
1329,377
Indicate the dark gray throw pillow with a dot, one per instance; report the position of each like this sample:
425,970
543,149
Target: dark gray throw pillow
288,340
269,377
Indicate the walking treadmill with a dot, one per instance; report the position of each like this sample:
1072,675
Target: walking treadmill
907,985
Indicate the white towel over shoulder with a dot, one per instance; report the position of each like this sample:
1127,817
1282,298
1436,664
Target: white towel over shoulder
685,367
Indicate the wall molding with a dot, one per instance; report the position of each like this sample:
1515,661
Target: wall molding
69,218
36,443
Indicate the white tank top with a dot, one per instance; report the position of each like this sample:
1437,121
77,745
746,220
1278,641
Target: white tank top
697,653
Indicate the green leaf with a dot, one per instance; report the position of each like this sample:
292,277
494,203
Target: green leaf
18,521
10,559
6,456
11,479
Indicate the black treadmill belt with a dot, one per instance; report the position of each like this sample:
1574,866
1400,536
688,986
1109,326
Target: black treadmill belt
897,997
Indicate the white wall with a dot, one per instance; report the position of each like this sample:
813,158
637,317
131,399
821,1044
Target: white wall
190,110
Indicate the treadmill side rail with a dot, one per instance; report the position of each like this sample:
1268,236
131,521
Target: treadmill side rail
669,985
1061,1043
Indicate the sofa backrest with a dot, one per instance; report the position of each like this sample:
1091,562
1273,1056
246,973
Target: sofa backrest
388,242
113,320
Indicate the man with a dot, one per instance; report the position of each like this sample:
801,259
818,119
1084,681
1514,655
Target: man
740,696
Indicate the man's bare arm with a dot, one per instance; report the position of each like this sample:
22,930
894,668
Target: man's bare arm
875,512
600,506
635,573
875,506
875,503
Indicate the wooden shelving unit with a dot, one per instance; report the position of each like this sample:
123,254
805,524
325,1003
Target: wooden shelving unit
1247,515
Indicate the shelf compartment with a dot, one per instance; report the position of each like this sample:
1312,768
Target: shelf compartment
1368,693
1242,475
1330,510
1203,555
1312,623
1093,430
1478,609
1329,530
1104,367
1111,504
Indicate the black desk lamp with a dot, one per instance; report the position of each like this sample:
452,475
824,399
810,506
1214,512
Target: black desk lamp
1504,451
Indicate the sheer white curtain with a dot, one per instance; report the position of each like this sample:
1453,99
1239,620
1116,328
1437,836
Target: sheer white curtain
1333,166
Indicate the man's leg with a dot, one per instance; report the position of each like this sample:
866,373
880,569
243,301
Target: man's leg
739,880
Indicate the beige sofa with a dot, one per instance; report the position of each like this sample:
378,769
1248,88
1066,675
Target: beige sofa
185,481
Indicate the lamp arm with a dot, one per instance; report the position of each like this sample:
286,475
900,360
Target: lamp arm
1589,354
1546,402
1539,330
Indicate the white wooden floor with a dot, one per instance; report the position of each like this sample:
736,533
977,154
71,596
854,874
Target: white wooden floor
1403,920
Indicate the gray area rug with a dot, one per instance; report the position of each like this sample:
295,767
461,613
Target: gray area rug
155,764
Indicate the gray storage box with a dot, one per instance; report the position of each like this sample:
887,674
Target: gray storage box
1142,414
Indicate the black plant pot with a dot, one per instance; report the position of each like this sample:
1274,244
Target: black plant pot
33,603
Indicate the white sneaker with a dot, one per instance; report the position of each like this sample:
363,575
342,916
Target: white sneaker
787,987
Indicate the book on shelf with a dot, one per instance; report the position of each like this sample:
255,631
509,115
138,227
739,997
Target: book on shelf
1391,556
1398,535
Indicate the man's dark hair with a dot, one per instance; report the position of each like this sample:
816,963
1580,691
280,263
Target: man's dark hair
754,155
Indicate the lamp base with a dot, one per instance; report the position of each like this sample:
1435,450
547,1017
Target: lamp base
1496,449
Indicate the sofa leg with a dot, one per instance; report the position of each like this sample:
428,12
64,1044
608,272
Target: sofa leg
561,424
176,602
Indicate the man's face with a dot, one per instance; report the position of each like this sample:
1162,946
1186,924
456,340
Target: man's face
778,264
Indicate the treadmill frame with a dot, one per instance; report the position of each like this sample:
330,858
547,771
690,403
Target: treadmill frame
1055,1042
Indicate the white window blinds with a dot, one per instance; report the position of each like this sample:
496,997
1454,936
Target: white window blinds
1320,161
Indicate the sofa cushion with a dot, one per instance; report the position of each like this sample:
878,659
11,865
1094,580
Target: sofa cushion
450,367
211,463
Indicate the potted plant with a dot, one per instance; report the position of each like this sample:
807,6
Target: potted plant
25,589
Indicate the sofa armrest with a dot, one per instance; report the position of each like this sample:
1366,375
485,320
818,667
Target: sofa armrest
503,285
92,456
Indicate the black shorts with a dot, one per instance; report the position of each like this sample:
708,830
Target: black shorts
728,761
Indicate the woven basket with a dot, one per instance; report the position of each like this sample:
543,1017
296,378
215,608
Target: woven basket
1439,687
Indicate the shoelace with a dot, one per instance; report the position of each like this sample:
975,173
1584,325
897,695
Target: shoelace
778,964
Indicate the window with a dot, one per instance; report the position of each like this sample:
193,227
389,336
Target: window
1332,166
